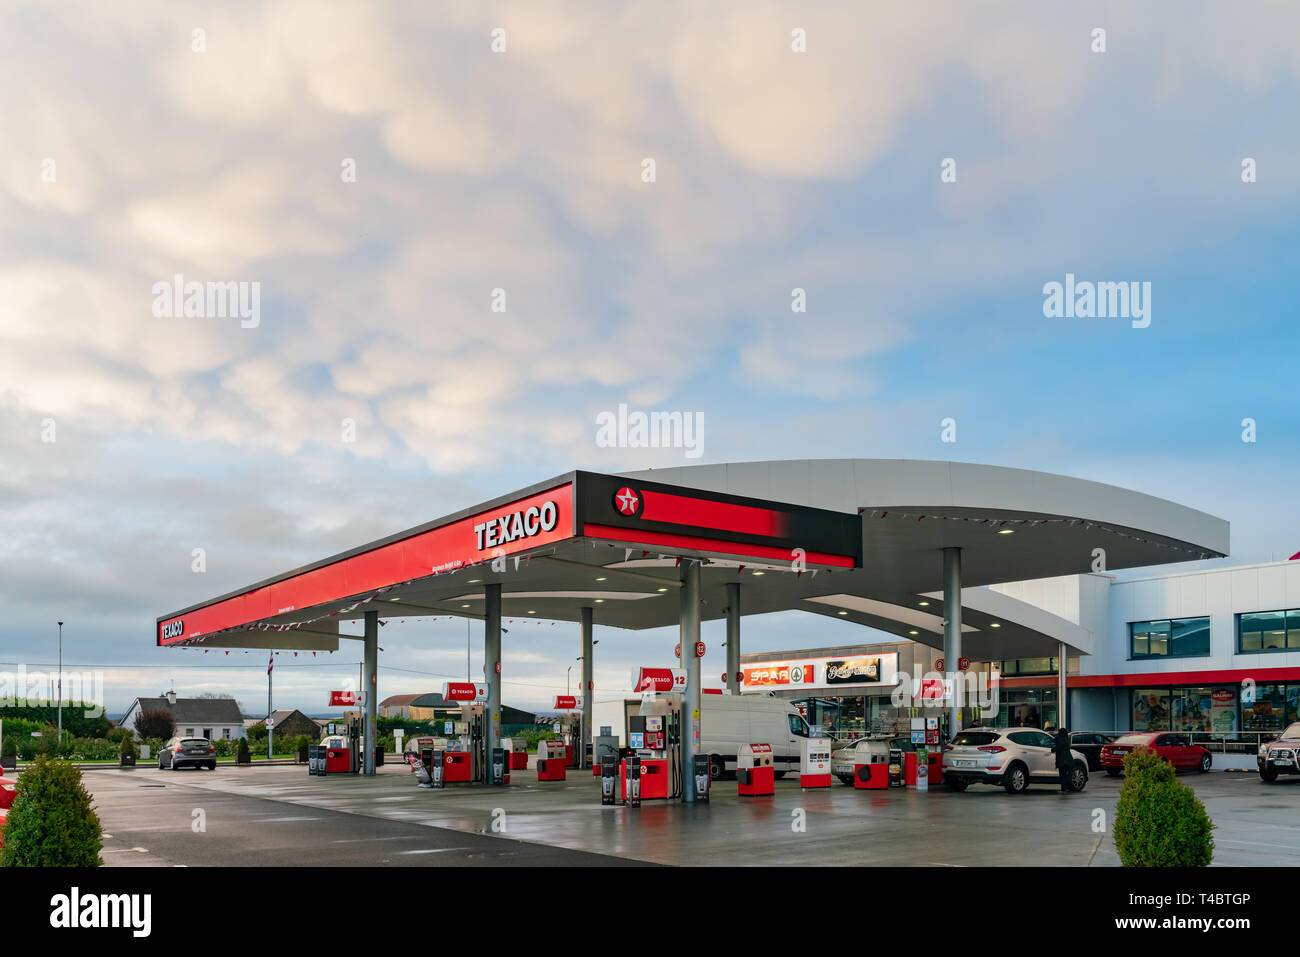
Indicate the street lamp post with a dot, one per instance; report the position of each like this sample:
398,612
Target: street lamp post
60,682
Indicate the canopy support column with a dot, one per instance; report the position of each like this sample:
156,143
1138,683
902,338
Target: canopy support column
689,635
952,630
491,675
733,637
587,684
1061,692
370,668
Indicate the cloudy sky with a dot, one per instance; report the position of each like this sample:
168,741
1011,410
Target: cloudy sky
379,169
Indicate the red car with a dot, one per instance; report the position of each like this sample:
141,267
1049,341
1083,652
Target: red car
8,791
1175,748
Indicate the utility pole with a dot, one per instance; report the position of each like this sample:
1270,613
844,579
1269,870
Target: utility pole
60,683
270,731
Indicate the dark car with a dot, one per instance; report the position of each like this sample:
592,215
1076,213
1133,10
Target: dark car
1281,755
179,752
1089,744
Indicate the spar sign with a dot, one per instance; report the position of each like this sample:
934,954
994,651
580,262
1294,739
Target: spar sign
568,702
809,674
659,679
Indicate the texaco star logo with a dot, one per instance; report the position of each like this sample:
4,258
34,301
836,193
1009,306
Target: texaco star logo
627,501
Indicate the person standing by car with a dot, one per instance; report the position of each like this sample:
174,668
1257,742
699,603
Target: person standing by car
1064,759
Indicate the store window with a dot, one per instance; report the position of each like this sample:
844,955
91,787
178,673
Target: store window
1269,707
1034,708
1029,666
1268,631
1170,638
1190,709
1150,709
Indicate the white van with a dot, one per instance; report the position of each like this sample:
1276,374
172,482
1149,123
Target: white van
726,722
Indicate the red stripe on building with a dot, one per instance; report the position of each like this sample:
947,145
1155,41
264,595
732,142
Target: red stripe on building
694,543
1160,679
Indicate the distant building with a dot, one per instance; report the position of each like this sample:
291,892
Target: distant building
217,719
292,724
431,707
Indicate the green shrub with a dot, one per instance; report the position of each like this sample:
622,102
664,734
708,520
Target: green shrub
10,748
51,823
91,749
241,755
127,746
1159,822
120,734
32,718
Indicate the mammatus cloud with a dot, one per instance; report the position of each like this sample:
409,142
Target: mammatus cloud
389,180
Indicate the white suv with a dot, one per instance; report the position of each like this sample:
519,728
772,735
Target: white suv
1011,757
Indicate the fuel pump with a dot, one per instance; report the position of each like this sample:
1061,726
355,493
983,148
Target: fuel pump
471,731
354,745
654,738
570,728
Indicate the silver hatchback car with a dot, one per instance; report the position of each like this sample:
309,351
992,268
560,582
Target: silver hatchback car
1011,757
182,751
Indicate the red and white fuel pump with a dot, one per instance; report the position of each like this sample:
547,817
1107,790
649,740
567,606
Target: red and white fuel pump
570,708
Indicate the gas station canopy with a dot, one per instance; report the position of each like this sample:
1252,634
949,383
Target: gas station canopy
858,539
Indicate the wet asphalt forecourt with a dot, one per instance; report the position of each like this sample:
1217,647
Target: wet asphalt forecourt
282,816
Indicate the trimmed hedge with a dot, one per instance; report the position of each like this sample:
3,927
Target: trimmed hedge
52,822
28,719
1159,822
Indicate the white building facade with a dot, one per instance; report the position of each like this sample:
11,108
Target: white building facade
1213,651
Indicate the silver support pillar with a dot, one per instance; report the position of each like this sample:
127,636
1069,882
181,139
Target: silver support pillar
587,684
952,628
1062,718
491,675
733,636
689,613
370,659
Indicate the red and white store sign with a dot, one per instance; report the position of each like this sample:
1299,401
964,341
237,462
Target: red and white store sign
934,690
805,674
659,679
761,748
539,519
464,691
567,702
343,699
